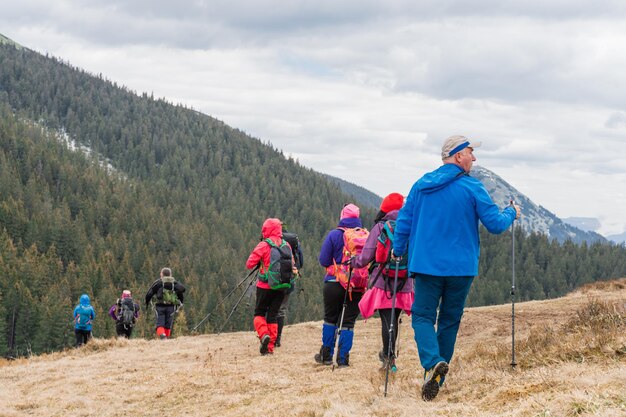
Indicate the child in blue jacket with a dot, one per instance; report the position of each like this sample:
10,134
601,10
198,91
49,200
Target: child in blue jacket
84,314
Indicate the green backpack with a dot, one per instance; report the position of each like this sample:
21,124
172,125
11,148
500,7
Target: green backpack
280,273
169,295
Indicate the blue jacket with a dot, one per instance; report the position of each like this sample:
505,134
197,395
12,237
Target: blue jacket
439,222
84,314
332,247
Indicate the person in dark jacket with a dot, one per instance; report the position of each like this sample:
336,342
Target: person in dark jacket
123,328
438,230
170,295
334,294
84,315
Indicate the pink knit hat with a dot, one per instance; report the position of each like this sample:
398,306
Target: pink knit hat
350,211
126,294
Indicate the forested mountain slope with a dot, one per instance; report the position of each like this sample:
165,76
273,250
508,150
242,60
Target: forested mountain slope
166,185
187,191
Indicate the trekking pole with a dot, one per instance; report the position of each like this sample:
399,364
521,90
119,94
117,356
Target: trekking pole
391,325
225,298
235,306
513,364
343,311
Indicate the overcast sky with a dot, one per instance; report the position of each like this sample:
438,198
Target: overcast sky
368,90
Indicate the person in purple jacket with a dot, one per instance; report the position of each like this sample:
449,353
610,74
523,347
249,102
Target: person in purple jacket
379,296
334,294
125,313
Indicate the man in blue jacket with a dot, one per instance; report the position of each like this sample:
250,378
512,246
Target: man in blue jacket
439,224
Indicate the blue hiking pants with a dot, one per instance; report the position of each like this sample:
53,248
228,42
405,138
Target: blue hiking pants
449,294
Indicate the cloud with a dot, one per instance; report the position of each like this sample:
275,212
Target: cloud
337,84
616,120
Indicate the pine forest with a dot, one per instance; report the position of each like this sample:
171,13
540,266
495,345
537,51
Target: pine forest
101,187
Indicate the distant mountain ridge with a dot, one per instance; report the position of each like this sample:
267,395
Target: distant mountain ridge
535,218
619,238
361,194
8,41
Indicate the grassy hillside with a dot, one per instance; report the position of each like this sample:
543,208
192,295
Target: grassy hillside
571,362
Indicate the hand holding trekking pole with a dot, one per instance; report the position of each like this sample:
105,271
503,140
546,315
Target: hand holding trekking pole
518,211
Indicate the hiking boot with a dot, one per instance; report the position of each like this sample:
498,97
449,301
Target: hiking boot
324,357
383,359
265,340
343,363
162,337
432,380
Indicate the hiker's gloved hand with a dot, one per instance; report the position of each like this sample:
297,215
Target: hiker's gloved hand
395,258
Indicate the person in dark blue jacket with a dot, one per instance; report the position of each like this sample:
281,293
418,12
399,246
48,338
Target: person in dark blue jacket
333,292
440,223
84,315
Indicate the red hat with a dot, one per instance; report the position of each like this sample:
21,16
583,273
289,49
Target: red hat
392,202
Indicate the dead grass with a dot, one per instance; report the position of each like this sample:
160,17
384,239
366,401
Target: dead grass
570,356
594,334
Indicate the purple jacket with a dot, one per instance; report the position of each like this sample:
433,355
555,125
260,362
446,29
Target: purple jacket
369,254
114,310
333,244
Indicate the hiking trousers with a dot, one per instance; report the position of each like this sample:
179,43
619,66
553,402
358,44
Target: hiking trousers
448,294
122,330
82,336
385,319
333,304
165,315
268,303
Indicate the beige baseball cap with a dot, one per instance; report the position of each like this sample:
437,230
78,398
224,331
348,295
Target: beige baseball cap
455,144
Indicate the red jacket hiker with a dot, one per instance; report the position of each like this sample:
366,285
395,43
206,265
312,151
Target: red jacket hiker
267,300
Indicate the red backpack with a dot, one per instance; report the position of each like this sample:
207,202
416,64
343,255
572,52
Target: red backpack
384,245
353,242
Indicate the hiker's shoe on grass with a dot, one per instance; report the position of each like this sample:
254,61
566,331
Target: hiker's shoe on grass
343,362
432,379
383,359
265,340
324,357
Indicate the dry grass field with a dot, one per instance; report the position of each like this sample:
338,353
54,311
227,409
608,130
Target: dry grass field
571,362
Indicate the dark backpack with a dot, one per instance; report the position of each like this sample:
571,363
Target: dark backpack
280,272
383,254
168,295
294,242
127,312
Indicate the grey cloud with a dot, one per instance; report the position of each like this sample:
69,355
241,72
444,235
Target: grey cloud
616,120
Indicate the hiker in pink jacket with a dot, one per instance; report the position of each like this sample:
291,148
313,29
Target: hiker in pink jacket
379,296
